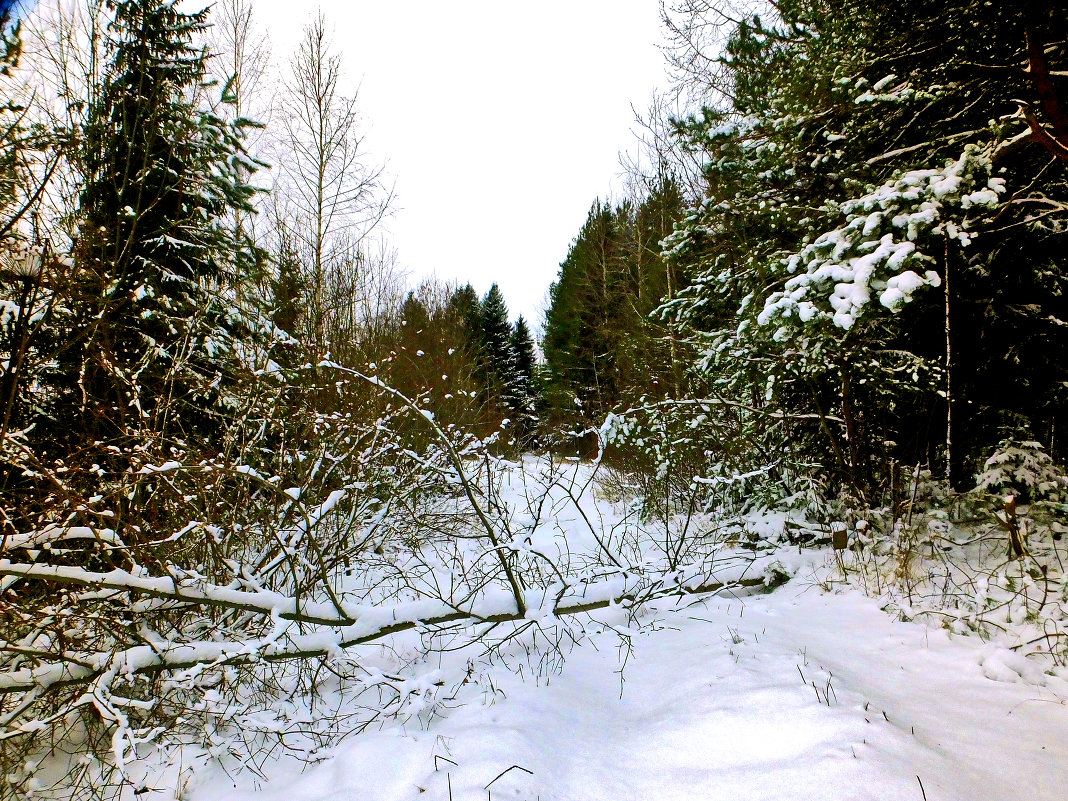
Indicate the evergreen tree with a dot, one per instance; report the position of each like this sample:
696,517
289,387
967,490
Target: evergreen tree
164,321
524,392
409,373
525,359
19,287
431,362
856,275
10,128
581,339
287,289
159,272
466,310
602,347
498,354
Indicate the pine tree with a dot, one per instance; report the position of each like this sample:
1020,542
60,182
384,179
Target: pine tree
602,346
854,230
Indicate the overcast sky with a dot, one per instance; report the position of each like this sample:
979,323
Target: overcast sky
500,121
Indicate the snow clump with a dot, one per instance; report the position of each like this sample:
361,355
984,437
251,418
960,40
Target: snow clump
876,253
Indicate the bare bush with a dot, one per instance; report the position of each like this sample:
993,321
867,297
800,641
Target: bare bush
333,538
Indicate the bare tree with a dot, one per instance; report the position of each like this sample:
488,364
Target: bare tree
335,193
241,58
659,152
367,289
696,31
62,43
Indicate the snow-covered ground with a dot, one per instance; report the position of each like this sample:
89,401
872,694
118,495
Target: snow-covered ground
812,690
796,694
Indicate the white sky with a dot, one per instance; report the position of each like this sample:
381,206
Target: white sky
500,121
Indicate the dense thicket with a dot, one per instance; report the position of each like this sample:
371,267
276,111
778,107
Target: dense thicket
159,424
877,271
145,340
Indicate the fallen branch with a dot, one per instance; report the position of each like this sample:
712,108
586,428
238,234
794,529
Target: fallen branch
372,623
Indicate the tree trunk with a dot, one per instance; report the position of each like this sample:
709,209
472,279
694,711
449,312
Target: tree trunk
953,465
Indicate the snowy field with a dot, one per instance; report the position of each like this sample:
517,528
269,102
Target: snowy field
811,691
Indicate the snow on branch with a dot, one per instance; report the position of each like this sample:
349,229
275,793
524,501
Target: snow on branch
878,249
368,623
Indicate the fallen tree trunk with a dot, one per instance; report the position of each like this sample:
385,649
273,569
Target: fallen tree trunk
360,623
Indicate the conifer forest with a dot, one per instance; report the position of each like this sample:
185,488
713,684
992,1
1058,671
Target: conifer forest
769,503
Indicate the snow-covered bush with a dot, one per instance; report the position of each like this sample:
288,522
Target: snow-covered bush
690,469
208,634
1023,468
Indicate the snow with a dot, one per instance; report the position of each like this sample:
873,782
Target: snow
166,467
812,690
876,248
899,288
53,534
797,694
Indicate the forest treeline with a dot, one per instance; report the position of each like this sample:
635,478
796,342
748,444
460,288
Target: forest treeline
843,260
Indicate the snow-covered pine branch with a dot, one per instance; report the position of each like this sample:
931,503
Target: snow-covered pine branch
880,250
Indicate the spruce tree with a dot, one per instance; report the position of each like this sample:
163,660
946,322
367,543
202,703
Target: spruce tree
161,284
18,285
581,339
499,356
466,309
523,393
162,330
525,359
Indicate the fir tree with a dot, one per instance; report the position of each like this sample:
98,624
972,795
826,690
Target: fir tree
160,277
164,319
